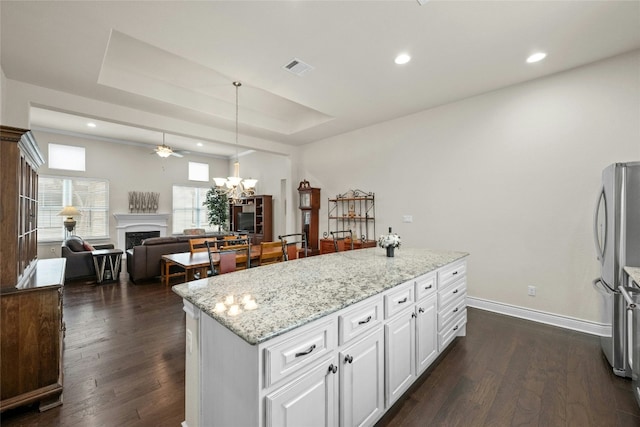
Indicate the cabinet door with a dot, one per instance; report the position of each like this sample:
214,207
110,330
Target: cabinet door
362,381
399,354
309,400
426,333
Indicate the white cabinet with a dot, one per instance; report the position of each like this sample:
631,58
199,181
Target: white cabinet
344,369
426,333
452,305
399,336
309,400
362,380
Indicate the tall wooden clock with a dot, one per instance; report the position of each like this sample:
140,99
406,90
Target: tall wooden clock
309,210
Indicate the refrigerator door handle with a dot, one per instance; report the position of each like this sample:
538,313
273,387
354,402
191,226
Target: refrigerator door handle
631,305
600,246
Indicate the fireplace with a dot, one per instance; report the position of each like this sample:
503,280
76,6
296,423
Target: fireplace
135,223
135,238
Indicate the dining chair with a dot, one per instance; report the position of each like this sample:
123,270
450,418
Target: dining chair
226,263
270,253
243,254
200,244
290,248
342,238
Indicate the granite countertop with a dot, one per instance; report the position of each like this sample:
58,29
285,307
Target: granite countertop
293,293
634,273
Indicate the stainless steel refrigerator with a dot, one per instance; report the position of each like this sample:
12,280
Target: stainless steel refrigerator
617,238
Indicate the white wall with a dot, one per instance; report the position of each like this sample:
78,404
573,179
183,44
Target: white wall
128,168
510,176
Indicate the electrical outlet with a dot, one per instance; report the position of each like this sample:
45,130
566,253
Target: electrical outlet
531,291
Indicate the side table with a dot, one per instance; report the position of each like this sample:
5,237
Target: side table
100,258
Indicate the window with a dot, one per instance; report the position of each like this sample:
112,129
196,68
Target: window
188,208
66,157
89,196
198,172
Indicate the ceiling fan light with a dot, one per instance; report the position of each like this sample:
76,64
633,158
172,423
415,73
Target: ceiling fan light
164,151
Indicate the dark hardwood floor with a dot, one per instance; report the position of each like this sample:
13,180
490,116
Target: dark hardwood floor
124,366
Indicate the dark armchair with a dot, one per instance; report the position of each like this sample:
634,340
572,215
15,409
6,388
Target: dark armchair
79,258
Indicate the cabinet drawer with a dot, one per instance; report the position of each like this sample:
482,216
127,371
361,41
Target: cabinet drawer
451,273
398,299
446,314
302,349
425,285
449,333
359,320
451,292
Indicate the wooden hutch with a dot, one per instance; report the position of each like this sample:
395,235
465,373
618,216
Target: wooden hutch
30,290
260,209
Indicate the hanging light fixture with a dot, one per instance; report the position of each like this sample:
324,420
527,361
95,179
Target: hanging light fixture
234,186
163,150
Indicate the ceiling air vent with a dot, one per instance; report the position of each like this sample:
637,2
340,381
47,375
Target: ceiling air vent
297,67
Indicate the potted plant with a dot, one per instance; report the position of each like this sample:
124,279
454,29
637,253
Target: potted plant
217,208
389,242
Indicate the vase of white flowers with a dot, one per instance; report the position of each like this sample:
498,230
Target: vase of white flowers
389,242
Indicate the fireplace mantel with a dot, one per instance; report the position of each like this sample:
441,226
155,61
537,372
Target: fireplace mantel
128,222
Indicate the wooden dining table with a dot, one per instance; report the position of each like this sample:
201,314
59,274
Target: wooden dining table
194,262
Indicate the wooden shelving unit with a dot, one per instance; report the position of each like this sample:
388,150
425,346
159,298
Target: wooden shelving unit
354,210
262,207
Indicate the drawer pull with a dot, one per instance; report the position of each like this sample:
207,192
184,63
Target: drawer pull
428,287
304,353
456,328
348,359
414,315
421,310
362,322
454,273
456,310
455,292
402,301
333,368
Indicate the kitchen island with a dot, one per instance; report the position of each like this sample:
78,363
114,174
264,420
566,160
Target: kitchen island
294,343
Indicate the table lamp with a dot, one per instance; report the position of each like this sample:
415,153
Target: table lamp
69,212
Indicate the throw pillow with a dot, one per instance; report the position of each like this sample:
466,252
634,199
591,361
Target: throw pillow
88,247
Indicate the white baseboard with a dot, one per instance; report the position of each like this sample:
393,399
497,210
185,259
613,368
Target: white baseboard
565,322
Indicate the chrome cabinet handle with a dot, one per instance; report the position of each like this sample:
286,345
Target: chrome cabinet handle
304,353
348,359
333,368
367,320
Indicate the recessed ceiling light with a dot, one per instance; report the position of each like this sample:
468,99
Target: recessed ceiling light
539,56
401,59
91,124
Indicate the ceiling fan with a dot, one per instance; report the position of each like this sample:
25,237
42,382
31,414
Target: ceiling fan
165,151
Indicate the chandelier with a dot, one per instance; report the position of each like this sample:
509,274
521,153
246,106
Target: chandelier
233,186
